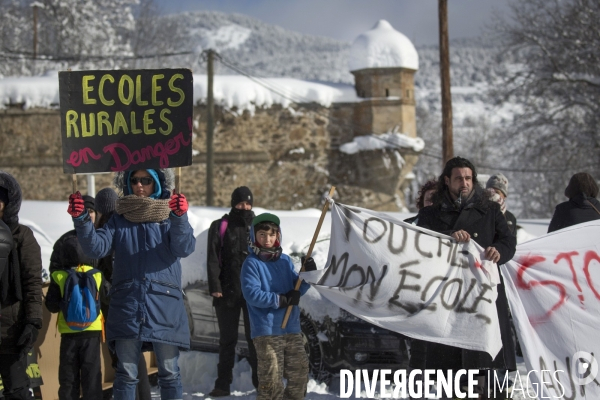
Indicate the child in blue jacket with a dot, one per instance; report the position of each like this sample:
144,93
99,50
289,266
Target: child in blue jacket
268,281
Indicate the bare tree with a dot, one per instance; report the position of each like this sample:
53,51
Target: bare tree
155,35
555,83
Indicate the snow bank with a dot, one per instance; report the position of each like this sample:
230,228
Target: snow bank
39,91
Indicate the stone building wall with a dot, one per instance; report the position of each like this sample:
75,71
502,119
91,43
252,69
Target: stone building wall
288,157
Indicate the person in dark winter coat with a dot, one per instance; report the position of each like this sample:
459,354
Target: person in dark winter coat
498,184
225,255
20,295
79,366
148,234
463,210
582,205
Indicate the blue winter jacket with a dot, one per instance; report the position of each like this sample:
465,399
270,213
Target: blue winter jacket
146,299
262,283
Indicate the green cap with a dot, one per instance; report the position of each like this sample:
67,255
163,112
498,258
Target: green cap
265,217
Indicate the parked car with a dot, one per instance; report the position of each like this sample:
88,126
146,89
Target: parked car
345,343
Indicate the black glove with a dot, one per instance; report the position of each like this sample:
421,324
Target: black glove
309,264
291,298
27,338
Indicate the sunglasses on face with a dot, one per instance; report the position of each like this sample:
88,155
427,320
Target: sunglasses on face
146,180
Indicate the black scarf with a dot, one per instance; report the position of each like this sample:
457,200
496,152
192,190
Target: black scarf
245,215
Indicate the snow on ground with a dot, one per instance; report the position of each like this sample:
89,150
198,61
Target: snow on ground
49,220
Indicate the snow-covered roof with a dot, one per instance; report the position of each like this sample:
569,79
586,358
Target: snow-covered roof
229,91
383,47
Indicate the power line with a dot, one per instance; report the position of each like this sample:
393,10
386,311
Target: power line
14,55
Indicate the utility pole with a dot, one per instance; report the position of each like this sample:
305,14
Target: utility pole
447,141
210,127
35,25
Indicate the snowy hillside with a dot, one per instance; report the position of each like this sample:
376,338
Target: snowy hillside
269,51
262,49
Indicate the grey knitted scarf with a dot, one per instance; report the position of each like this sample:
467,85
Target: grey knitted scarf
143,209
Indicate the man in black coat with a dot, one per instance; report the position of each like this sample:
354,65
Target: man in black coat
582,205
227,249
463,210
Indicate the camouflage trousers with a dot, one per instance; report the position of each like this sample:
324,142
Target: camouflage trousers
281,356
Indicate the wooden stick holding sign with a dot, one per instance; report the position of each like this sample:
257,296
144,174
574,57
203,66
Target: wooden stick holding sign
177,180
308,253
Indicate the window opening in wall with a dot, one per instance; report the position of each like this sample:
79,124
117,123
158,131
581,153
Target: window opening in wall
387,92
407,94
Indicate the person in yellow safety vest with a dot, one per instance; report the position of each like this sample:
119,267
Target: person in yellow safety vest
75,293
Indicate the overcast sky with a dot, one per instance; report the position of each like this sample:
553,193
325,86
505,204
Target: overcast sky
346,19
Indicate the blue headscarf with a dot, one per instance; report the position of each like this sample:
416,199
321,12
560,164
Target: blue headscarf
157,188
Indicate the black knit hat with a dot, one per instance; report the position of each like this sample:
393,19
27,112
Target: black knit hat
88,202
240,194
106,201
72,255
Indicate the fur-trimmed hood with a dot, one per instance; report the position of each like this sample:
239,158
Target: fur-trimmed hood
11,212
166,179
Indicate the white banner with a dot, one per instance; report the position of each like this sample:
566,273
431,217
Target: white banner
553,287
410,280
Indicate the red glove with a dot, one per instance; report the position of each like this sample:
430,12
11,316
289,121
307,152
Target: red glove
76,205
178,204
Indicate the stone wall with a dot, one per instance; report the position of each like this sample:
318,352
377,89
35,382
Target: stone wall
288,157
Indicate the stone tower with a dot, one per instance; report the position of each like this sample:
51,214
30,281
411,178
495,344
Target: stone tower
383,62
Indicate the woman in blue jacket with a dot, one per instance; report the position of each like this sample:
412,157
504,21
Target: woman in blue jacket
148,235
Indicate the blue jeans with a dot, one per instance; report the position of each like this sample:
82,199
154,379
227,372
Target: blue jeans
129,353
